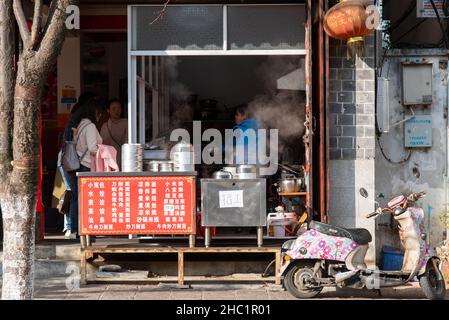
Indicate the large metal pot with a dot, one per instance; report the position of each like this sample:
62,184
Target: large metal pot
290,185
222,174
246,171
183,157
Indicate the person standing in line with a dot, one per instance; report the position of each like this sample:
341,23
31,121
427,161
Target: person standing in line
87,139
68,136
115,131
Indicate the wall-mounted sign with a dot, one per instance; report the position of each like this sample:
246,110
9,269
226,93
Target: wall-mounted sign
68,99
418,132
426,10
137,205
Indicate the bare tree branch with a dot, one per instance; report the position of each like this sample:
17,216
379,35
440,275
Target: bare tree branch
54,34
37,21
7,82
22,22
161,13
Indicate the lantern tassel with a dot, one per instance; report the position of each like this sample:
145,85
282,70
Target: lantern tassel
356,47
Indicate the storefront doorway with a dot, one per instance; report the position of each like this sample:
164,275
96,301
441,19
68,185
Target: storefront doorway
197,63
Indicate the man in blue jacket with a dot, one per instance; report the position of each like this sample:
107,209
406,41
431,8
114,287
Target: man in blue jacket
246,137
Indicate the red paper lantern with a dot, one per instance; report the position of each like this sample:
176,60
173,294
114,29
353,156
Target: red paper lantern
348,21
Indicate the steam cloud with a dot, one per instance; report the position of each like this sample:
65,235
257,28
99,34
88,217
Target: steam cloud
280,109
180,95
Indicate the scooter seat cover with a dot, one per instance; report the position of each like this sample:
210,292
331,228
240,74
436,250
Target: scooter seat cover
359,236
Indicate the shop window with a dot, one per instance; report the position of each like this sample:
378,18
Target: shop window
266,27
178,28
217,28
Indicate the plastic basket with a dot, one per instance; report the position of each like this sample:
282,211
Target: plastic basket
392,258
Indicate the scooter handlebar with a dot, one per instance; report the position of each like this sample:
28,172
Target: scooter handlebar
372,214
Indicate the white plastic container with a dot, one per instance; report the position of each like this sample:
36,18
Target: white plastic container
278,225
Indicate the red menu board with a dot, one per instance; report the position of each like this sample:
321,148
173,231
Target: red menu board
136,205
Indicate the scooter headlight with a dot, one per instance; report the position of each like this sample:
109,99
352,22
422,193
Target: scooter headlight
399,210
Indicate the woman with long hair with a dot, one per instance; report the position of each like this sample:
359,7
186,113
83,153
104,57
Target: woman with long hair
87,139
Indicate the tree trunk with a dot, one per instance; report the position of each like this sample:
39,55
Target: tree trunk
19,205
18,248
19,141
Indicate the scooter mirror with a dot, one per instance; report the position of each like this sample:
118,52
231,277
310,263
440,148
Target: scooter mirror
363,192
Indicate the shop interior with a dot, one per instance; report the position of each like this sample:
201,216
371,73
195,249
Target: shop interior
206,90
179,82
185,89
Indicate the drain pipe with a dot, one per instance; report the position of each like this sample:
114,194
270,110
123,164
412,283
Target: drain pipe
447,151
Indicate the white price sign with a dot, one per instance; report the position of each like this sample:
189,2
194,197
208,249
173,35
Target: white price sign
231,199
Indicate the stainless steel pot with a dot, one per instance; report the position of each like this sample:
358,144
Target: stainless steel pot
183,157
232,170
132,157
290,185
222,174
152,166
165,166
246,171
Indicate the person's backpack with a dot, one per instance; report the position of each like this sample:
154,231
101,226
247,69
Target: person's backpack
70,160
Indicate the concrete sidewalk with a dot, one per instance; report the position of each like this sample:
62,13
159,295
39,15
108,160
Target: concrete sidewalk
55,289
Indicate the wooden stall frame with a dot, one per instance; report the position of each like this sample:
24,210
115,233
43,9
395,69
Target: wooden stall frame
88,254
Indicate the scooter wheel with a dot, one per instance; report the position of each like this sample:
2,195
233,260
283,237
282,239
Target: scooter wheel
296,280
432,283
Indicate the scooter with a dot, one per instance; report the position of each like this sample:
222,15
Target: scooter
330,256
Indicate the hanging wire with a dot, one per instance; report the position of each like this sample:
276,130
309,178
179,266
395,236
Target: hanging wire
404,16
446,7
446,40
407,158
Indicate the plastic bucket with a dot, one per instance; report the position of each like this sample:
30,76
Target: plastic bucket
392,258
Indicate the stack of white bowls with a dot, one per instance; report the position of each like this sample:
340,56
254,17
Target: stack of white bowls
132,157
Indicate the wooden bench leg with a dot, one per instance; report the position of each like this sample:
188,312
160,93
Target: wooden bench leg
83,242
180,268
83,268
277,268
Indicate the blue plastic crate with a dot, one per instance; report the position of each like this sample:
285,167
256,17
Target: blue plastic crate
392,258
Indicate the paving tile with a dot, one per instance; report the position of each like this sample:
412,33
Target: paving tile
152,295
84,296
52,293
280,295
186,295
121,287
219,295
252,295
117,296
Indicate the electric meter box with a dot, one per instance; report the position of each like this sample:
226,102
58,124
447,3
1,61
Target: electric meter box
416,84
418,132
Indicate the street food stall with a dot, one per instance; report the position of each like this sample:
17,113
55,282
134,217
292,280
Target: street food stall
188,67
172,51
